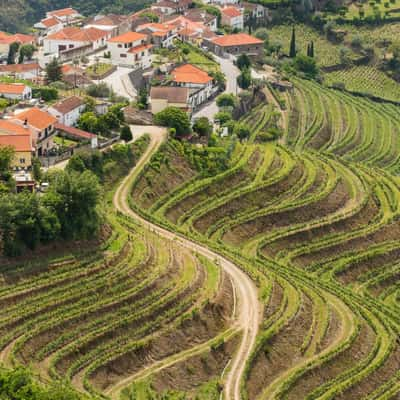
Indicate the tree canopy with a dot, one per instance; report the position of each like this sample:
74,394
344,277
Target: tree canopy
175,118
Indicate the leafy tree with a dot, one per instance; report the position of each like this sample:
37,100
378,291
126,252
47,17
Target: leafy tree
26,52
242,131
126,134
243,62
12,52
203,127
292,50
76,164
244,79
142,99
306,64
262,34
36,169
174,117
53,71
222,117
150,16
45,93
98,90
88,122
345,56
226,100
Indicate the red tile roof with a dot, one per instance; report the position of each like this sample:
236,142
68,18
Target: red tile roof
19,67
19,142
128,37
49,22
63,12
18,37
37,118
231,12
68,104
78,35
74,131
12,88
238,39
11,128
138,49
188,73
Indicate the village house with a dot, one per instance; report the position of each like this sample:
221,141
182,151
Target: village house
198,81
233,17
224,2
77,134
67,111
15,91
161,35
235,44
145,16
130,49
205,18
190,31
255,11
169,7
28,72
22,146
65,15
48,26
113,23
6,40
74,38
162,97
42,127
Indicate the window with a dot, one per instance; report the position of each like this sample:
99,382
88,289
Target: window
142,53
22,160
120,45
123,55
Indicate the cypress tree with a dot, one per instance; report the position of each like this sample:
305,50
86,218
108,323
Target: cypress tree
312,49
292,52
308,50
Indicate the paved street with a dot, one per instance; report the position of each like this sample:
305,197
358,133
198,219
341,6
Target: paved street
231,72
120,83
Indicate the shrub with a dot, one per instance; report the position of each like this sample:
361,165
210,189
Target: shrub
173,117
126,134
226,100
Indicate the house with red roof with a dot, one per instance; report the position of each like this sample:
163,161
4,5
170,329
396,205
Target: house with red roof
65,15
169,7
233,17
48,26
235,44
41,124
200,84
15,91
28,72
161,35
6,40
68,111
22,146
130,49
114,23
73,37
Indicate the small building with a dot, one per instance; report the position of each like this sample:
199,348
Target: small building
65,15
77,134
68,111
48,26
113,23
205,18
198,81
256,11
130,49
161,35
74,38
21,39
28,72
42,127
169,7
162,97
233,17
235,44
15,91
23,149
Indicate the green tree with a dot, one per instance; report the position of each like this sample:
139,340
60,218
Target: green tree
142,99
242,131
227,100
244,79
222,117
26,52
243,62
292,50
76,164
174,117
12,52
262,34
306,64
126,134
203,127
53,71
88,122
36,169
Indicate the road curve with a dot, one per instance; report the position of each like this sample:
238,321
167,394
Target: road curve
248,309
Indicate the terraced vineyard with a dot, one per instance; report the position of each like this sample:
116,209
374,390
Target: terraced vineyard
366,79
314,220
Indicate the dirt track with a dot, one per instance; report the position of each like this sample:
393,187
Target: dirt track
248,309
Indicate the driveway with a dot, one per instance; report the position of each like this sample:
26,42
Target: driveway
120,83
231,73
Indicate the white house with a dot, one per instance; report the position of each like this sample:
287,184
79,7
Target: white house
73,37
116,24
68,111
65,15
48,26
15,91
28,72
198,81
161,35
130,49
233,17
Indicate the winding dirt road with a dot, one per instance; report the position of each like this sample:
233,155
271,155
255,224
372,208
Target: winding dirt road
248,309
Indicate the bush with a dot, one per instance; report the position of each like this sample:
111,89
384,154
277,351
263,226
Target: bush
45,93
98,90
222,117
173,117
226,100
307,65
126,134
203,127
